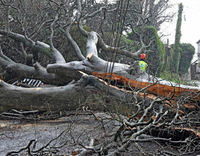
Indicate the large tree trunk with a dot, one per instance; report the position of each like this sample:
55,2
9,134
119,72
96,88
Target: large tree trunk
49,98
69,97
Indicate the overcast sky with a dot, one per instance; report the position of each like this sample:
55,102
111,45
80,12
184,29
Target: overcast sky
190,22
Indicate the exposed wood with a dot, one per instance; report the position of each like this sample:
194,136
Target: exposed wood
156,89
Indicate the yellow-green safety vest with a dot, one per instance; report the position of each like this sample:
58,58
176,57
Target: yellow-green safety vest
142,65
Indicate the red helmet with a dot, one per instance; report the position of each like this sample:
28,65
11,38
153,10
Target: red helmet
143,56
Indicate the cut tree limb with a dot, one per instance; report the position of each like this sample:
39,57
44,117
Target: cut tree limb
161,88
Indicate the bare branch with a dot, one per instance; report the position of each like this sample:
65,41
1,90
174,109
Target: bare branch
57,55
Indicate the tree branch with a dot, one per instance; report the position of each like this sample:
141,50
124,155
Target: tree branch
57,55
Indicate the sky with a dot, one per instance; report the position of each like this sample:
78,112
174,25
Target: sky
190,28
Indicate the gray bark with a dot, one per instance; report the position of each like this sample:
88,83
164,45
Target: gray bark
69,97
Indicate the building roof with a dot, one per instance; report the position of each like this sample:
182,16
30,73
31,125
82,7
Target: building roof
198,41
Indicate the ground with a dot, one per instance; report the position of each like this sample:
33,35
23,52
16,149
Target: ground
79,129
69,134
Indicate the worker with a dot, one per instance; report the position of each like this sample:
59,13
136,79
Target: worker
143,65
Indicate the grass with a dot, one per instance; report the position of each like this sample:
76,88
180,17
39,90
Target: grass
176,78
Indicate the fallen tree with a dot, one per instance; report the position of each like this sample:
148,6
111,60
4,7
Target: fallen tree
69,97
127,75
62,72
146,108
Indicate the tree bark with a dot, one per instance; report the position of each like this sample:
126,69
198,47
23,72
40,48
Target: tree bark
69,97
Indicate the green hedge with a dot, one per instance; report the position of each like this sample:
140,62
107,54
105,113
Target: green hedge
186,56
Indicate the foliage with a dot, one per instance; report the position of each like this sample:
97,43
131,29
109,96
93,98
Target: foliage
186,51
157,51
155,58
167,58
186,56
124,43
166,75
176,47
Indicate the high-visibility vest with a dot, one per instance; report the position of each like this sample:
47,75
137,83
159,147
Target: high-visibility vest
142,65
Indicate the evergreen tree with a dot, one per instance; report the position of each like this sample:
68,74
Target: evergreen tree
177,47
